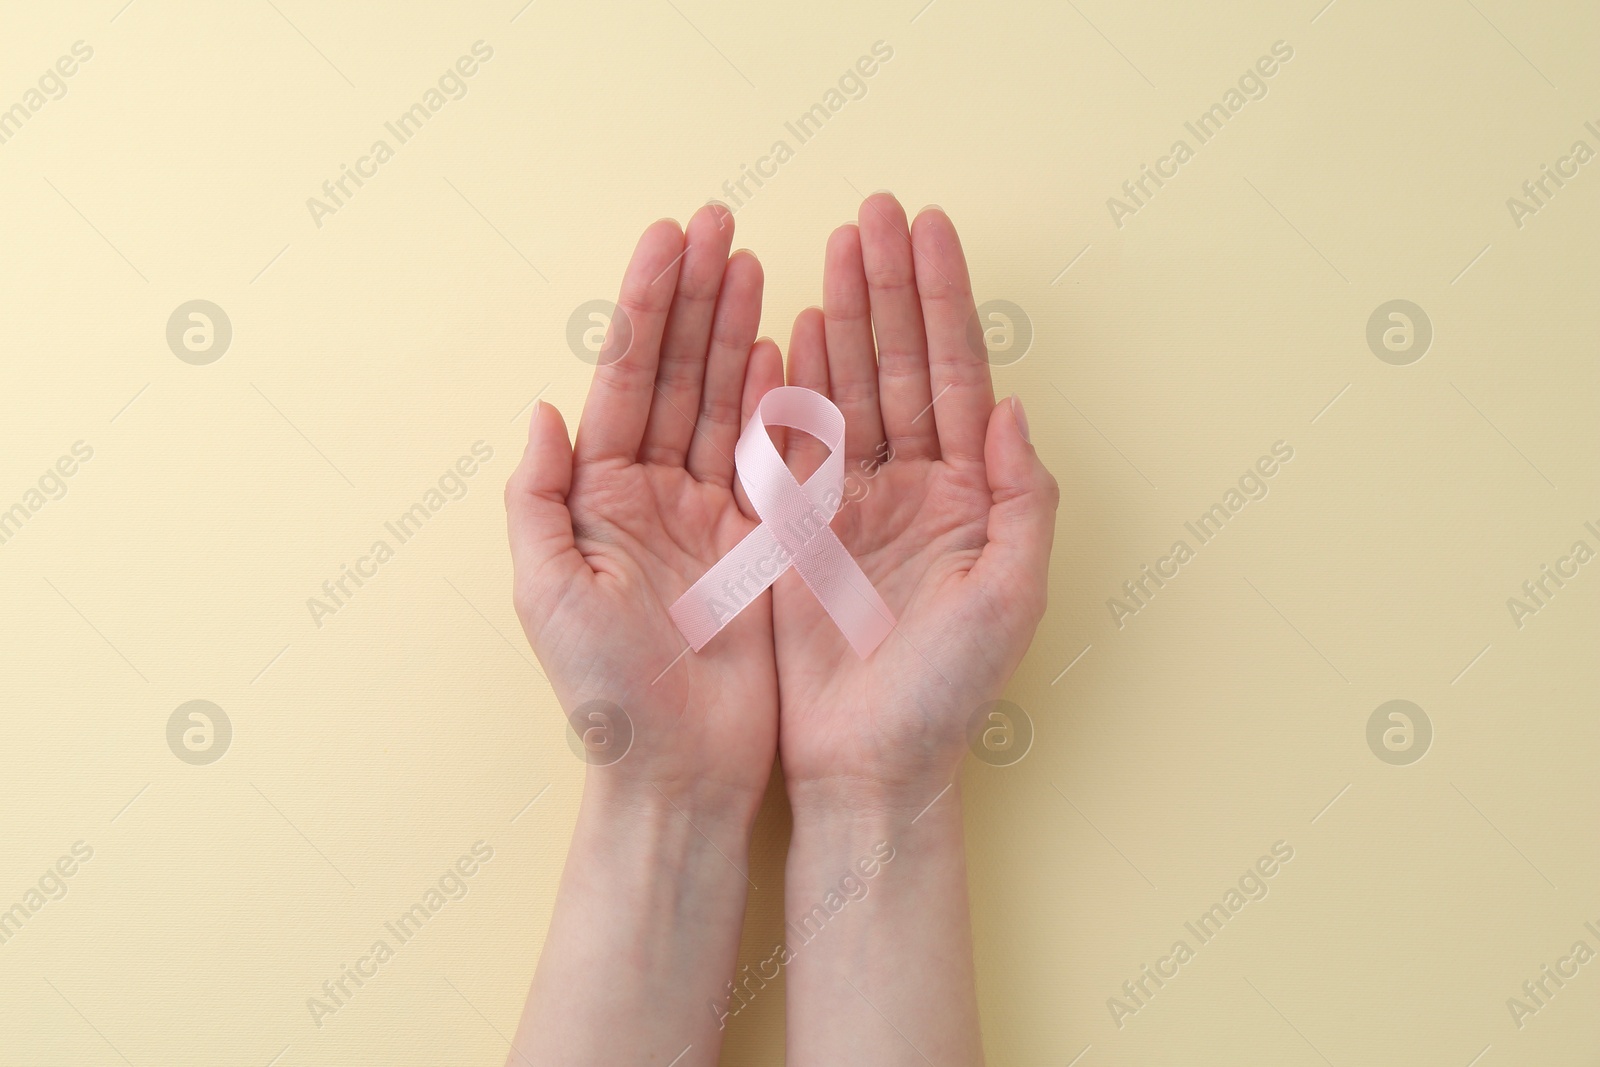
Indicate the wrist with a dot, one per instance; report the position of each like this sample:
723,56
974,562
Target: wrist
634,805
870,806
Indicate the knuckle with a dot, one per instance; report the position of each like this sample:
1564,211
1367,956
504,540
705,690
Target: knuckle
854,390
889,276
721,410
731,335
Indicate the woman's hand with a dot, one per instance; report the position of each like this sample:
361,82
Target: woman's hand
954,529
606,534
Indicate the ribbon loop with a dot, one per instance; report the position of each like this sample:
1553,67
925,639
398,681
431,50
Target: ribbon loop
794,532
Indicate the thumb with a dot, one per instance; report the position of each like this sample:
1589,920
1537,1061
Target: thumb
1022,515
543,553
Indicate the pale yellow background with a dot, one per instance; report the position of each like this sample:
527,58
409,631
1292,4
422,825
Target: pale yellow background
370,353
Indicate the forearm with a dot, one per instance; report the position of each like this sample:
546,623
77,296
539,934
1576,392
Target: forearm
645,930
887,978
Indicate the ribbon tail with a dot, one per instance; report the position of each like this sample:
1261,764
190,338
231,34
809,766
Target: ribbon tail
730,586
847,595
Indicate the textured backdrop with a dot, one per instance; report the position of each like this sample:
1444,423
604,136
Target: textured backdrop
1339,344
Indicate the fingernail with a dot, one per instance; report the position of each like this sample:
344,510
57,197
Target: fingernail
933,207
882,192
1021,416
533,421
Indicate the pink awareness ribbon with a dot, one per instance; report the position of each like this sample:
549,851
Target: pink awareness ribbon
794,532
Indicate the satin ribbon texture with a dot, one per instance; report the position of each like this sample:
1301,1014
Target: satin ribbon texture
794,532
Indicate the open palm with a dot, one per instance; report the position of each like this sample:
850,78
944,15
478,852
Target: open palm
606,533
954,529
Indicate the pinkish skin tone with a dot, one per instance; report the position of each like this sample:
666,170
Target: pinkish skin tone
606,533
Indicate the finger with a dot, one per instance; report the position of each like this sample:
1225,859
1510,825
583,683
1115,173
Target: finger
904,395
619,401
764,374
688,335
808,367
1022,513
852,363
733,331
963,396
543,553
